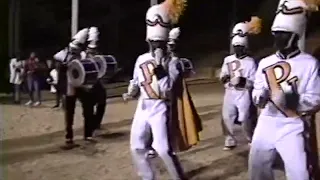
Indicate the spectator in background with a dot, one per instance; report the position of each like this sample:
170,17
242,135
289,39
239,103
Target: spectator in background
16,71
32,76
53,81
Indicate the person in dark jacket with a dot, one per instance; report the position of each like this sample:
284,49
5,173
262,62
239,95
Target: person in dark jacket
98,88
32,75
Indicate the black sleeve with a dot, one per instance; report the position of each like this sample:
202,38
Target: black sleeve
160,72
242,82
225,79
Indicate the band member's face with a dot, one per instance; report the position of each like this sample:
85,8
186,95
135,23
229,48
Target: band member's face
239,50
171,47
158,44
281,39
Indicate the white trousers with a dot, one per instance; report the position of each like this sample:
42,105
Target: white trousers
236,106
282,135
151,117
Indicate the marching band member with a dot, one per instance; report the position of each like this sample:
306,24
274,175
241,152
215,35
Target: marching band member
185,123
237,75
153,79
65,56
98,88
287,84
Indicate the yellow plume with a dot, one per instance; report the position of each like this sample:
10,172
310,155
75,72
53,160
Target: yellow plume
175,9
255,25
313,5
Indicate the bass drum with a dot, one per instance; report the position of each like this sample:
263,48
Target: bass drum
187,67
82,72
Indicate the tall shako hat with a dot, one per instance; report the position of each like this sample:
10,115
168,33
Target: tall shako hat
161,17
241,31
291,16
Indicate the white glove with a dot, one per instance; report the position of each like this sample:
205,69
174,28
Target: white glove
158,56
126,97
133,88
260,98
235,81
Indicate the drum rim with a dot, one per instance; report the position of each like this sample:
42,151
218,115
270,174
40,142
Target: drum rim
82,77
100,75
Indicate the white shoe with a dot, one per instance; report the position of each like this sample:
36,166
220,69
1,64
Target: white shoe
151,154
28,103
36,103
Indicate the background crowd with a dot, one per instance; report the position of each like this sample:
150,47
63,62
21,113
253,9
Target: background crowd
31,76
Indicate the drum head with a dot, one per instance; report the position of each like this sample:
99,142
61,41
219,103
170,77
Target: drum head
76,73
82,72
102,65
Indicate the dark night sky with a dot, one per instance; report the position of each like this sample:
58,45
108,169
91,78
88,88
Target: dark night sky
45,25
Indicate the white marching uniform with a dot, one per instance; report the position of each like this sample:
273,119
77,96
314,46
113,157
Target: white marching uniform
237,101
279,129
285,87
152,109
152,116
54,76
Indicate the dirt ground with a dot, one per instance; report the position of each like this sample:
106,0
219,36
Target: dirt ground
31,140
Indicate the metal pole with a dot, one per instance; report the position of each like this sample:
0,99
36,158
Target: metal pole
233,19
153,2
11,27
17,28
74,17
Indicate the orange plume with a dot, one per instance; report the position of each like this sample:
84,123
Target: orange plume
312,5
175,9
255,25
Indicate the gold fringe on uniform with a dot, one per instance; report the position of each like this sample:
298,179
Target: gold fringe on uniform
255,25
185,121
175,9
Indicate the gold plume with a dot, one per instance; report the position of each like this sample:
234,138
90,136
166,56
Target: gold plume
255,25
312,5
175,9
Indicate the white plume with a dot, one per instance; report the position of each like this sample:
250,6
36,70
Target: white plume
93,34
174,33
81,36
